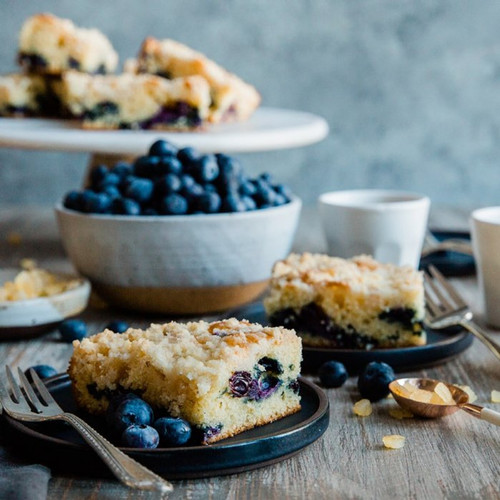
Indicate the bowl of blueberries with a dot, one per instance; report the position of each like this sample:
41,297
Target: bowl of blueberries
177,232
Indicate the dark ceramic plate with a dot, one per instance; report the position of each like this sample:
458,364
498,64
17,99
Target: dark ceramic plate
441,346
450,263
59,446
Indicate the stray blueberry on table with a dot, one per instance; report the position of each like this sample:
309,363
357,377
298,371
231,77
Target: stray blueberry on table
140,436
117,326
332,374
374,380
73,329
173,431
43,371
130,411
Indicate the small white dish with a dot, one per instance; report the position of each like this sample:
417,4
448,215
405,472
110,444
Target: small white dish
31,317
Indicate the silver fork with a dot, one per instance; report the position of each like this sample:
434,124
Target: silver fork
26,405
445,308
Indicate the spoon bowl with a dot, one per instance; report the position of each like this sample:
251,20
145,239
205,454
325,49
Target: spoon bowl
427,410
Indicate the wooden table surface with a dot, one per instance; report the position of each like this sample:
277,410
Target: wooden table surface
456,457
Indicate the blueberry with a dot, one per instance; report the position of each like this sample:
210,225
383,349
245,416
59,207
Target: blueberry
266,177
122,169
193,191
97,174
130,411
187,156
125,206
73,200
112,191
140,190
230,173
173,431
162,148
174,204
209,188
279,200
169,165
114,402
96,203
187,181
283,190
109,179
205,169
117,326
374,380
149,211
140,436
168,184
233,203
332,374
265,194
72,329
247,188
43,371
249,203
208,202
147,166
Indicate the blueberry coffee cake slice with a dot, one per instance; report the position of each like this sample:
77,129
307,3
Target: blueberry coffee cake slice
50,45
232,98
22,95
222,377
354,303
135,101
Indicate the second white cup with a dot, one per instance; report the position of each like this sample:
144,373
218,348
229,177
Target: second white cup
485,226
389,225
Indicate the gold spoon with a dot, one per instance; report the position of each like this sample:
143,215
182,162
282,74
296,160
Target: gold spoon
403,396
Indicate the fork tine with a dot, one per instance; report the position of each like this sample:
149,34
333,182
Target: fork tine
447,286
46,397
18,395
4,394
30,393
431,305
443,300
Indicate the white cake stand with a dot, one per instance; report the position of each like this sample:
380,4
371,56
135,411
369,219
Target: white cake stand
268,129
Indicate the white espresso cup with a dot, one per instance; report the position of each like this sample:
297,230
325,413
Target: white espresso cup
485,228
388,225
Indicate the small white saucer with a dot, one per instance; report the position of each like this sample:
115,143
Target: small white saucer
32,317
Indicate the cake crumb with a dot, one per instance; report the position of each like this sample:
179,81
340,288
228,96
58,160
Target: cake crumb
362,408
394,441
495,396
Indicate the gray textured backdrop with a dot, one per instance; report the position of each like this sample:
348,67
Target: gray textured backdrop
411,90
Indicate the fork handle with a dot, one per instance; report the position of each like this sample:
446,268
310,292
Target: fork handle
481,335
126,469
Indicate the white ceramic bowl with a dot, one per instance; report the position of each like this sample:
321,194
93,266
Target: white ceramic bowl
184,264
31,317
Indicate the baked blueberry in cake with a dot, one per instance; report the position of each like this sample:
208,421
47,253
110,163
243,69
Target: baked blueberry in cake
135,101
353,303
222,377
232,98
50,45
